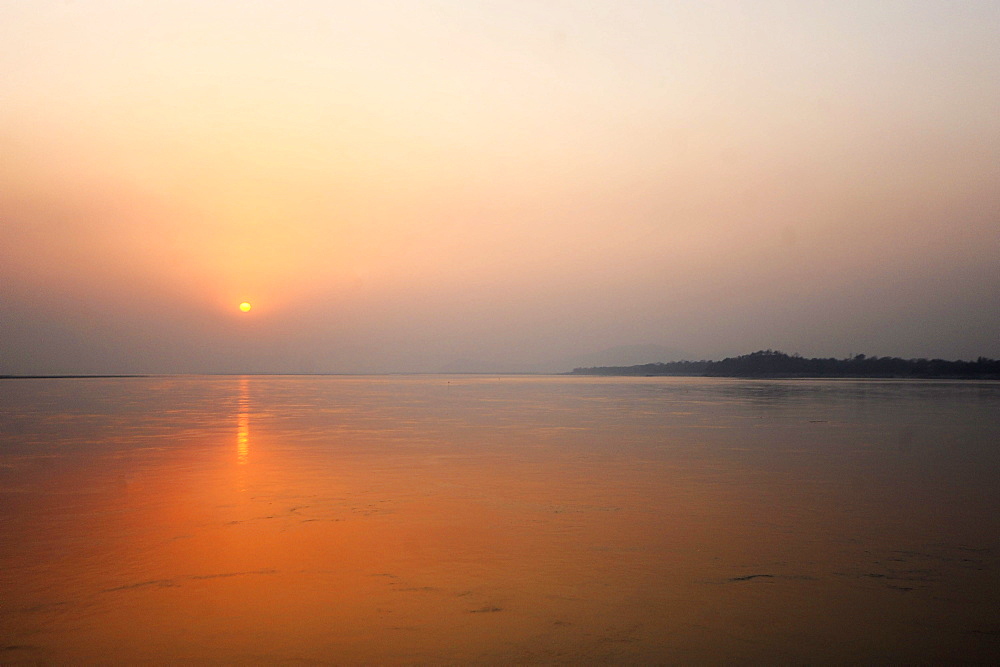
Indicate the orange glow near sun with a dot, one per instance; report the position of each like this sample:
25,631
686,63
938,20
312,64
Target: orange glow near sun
245,307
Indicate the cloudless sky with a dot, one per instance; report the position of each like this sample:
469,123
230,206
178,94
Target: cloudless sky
471,185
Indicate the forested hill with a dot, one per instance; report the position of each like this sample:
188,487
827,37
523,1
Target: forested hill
772,364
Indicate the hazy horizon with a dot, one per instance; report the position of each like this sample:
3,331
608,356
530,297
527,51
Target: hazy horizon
612,358
494,186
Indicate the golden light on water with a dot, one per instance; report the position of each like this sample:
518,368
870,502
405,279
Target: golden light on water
245,307
243,439
367,528
243,421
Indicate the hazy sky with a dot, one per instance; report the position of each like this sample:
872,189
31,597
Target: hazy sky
462,185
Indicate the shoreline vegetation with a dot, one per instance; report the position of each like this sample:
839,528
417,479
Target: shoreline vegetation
774,364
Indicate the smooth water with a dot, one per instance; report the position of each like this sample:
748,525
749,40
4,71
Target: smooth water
475,519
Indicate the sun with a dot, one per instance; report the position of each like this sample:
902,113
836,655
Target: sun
245,306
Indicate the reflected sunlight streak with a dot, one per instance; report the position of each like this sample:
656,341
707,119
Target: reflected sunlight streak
243,424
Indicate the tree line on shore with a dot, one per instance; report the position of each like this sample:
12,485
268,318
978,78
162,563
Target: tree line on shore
774,364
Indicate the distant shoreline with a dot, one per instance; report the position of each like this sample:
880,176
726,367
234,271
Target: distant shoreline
764,364
769,364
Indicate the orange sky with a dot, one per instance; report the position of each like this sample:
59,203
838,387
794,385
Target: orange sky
424,186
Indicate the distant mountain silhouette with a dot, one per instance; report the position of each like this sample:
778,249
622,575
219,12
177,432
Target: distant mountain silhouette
621,355
773,364
479,366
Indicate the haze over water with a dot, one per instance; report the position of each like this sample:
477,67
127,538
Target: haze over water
498,519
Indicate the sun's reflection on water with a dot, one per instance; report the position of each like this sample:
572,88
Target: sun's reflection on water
243,423
422,519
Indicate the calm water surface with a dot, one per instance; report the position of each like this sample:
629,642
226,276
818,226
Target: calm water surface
474,519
